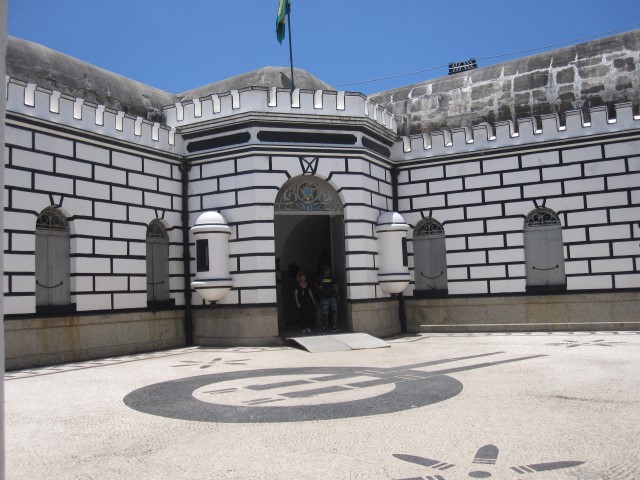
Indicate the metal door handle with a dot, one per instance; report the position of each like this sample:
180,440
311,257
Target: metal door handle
432,278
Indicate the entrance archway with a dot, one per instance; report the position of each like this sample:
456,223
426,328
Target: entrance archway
309,233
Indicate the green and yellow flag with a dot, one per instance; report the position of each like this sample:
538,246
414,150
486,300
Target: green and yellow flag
281,20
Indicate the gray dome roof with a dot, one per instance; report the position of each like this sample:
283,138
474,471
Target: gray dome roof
262,77
33,63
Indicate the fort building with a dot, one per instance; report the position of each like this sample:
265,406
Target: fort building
505,198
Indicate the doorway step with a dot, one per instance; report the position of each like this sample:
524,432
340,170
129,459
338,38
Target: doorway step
338,342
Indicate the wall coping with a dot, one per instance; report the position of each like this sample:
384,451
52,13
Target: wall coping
509,134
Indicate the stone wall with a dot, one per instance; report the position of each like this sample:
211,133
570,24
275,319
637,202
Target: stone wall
526,313
47,341
600,72
376,318
53,70
226,326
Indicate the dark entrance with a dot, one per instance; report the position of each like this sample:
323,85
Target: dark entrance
309,233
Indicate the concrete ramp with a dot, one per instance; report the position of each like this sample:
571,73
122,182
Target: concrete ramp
338,342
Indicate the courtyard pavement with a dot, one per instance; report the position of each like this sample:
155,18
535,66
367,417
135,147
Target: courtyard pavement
431,406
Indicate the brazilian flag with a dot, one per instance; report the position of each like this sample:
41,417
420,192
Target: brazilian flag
283,10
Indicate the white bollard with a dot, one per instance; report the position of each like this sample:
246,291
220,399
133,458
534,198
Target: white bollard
393,269
211,233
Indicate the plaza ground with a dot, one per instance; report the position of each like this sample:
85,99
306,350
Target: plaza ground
430,406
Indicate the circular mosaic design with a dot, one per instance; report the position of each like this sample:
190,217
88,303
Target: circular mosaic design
292,395
308,192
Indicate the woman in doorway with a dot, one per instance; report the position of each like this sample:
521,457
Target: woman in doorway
304,302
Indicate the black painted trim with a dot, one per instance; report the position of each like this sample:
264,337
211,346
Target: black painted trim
219,142
306,137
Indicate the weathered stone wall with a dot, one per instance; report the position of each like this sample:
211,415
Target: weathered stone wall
51,340
376,318
224,326
526,313
33,63
600,72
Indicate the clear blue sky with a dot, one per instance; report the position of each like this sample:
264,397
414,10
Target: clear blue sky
179,45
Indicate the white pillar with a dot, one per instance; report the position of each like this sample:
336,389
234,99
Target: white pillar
393,271
211,233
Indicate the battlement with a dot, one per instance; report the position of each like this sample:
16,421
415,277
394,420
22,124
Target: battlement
524,131
278,100
34,101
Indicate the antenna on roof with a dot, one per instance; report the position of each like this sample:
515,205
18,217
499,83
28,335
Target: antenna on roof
457,67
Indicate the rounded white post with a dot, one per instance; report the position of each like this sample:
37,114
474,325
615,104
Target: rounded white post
393,270
211,233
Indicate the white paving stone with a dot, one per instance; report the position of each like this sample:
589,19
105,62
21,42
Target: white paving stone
543,400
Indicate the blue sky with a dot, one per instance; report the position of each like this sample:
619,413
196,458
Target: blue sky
179,45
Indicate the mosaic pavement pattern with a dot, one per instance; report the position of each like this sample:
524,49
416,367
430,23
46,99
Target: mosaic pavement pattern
430,407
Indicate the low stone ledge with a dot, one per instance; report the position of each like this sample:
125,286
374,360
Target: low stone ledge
48,341
579,312
380,319
236,326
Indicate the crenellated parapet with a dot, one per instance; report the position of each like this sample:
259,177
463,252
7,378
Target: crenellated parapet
524,132
31,100
50,105
278,101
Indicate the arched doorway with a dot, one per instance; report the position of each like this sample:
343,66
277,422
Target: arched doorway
309,233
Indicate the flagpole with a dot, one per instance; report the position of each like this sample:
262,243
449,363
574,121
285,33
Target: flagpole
293,83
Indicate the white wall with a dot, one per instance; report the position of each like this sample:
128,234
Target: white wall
109,193
3,48
482,198
244,191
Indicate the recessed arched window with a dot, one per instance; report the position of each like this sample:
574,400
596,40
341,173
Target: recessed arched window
157,263
543,251
52,259
430,258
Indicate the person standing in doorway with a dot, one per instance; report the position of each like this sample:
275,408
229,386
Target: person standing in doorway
305,302
329,297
